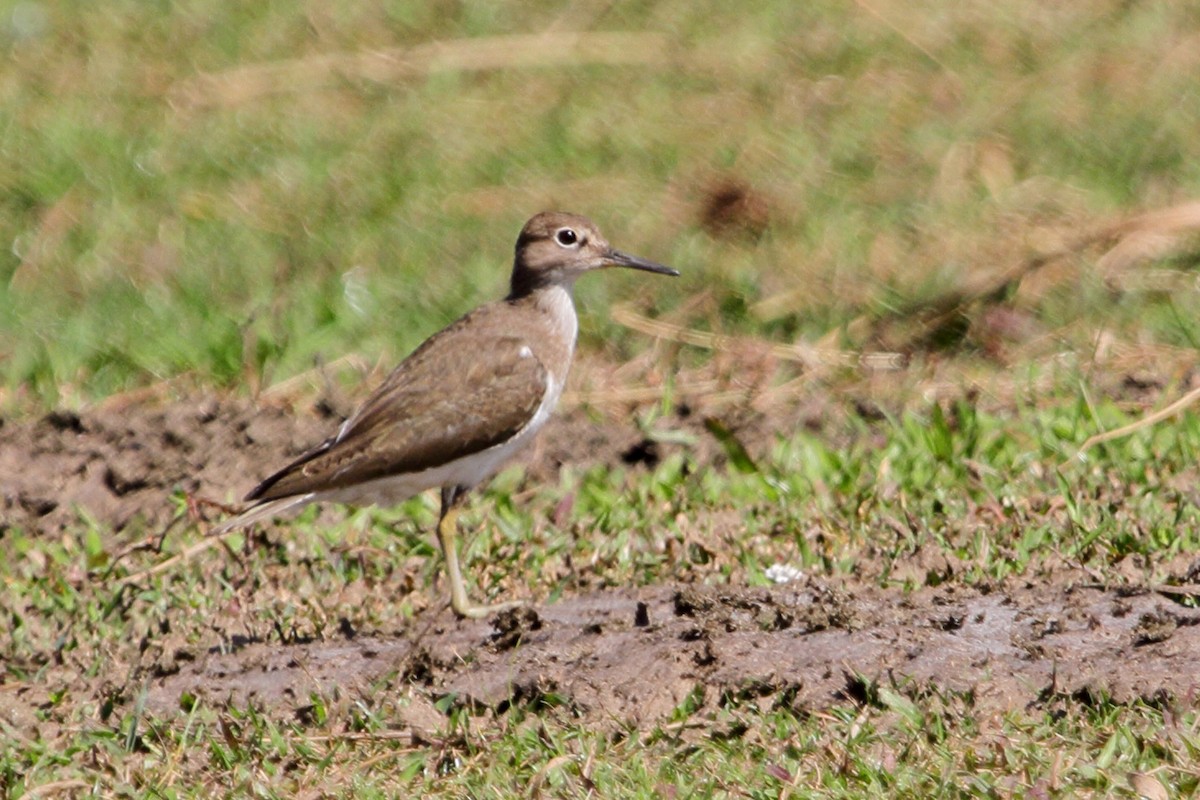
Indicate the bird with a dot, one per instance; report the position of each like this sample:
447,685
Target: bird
463,403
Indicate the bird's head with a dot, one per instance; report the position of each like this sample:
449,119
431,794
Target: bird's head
555,248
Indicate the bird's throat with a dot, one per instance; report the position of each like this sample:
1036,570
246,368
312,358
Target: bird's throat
558,305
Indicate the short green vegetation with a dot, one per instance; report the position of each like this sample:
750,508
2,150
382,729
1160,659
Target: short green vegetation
211,196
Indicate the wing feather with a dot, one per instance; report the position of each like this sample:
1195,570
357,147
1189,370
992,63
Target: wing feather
454,396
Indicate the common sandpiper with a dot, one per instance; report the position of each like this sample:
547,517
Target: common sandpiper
464,402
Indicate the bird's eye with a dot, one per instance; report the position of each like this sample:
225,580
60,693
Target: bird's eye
566,237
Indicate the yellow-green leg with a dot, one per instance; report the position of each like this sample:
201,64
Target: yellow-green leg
447,538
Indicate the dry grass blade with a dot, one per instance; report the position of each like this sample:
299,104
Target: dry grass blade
1163,281
181,557
1180,218
57,787
633,395
810,357
287,391
156,392
1153,234
364,736
245,84
1150,236
1145,422
941,312
922,49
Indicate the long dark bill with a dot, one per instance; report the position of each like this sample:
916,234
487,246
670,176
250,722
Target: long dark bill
616,258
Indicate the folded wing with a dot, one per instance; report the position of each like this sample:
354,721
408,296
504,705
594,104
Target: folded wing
447,400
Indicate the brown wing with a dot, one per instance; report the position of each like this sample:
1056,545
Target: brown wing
459,393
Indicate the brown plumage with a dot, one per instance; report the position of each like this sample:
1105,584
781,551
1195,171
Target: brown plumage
464,401
443,403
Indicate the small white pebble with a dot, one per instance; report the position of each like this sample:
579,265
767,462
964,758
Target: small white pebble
784,573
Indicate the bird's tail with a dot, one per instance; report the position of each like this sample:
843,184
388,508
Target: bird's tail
260,512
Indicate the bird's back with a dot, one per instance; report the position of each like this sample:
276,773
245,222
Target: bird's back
470,387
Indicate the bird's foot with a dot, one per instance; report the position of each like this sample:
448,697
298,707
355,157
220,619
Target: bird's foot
463,608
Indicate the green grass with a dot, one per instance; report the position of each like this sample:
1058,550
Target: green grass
899,150
151,237
890,748
826,508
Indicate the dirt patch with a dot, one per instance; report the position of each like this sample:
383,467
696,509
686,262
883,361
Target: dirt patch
607,657
119,467
635,656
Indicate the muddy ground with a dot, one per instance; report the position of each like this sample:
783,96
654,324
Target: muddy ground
633,657
119,465
609,657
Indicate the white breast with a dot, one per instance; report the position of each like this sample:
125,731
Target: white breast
557,302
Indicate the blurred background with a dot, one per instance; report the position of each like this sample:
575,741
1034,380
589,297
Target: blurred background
208,193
